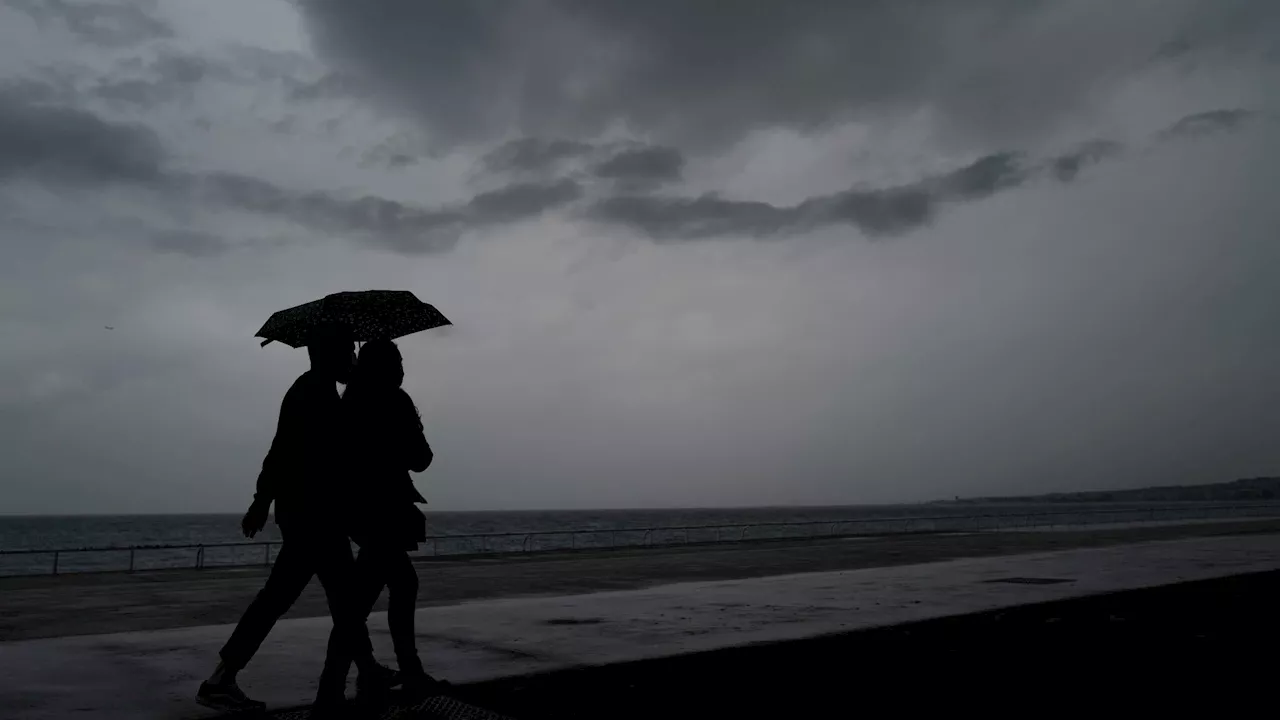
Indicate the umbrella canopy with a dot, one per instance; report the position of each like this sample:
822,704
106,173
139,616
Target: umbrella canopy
367,314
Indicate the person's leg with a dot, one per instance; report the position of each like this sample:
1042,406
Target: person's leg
372,684
371,578
349,638
402,605
289,576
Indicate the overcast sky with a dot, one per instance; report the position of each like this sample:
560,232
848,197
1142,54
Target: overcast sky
697,253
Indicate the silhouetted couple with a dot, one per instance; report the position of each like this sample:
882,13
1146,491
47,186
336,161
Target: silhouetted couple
338,470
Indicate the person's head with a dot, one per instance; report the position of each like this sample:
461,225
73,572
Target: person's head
332,352
380,365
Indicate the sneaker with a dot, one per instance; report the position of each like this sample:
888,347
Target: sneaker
377,680
329,706
420,686
227,697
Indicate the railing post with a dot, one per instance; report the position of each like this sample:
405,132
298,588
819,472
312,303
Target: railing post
131,552
524,545
55,562
266,554
573,541
434,551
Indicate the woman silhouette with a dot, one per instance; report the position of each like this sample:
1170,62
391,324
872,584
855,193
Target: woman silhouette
387,442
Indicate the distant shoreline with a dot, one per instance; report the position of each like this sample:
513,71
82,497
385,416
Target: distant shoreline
1243,490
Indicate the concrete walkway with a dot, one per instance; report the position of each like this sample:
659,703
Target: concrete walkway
153,674
92,604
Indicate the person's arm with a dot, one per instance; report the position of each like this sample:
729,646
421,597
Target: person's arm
275,467
418,455
279,460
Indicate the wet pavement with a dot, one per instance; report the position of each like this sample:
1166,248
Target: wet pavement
152,675
36,607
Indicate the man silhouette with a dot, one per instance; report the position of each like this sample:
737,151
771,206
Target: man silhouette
301,475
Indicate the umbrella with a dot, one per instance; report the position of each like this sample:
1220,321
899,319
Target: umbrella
368,314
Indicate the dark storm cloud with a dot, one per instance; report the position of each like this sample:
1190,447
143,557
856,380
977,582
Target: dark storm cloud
271,65
533,155
330,86
1240,27
382,222
703,73
874,211
522,200
983,178
66,143
134,92
184,69
73,145
647,164
714,68
172,75
61,145
110,24
1205,123
389,224
680,218
878,213
55,89
1067,166
394,153
192,243
381,157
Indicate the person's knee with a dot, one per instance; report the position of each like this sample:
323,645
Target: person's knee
275,599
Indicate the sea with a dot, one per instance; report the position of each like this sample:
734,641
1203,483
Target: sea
86,543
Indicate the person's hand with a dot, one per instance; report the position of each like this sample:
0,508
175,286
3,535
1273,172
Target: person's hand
255,519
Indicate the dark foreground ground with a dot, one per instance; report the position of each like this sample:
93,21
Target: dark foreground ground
1204,648
1208,646
54,606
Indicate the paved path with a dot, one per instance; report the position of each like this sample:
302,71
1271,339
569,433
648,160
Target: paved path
115,602
1201,640
151,675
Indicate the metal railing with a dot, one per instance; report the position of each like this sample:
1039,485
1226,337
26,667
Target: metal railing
241,554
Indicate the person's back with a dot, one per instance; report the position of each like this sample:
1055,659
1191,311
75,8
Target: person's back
301,472
387,443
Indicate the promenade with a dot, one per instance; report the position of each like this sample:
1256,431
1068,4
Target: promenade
55,606
550,615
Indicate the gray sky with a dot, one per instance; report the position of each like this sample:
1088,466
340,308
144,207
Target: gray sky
697,252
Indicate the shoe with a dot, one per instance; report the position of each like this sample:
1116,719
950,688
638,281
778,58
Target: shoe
227,697
330,706
420,686
376,680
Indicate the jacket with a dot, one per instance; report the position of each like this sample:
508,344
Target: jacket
386,444
302,470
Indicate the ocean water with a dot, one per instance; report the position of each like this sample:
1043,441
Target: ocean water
27,542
